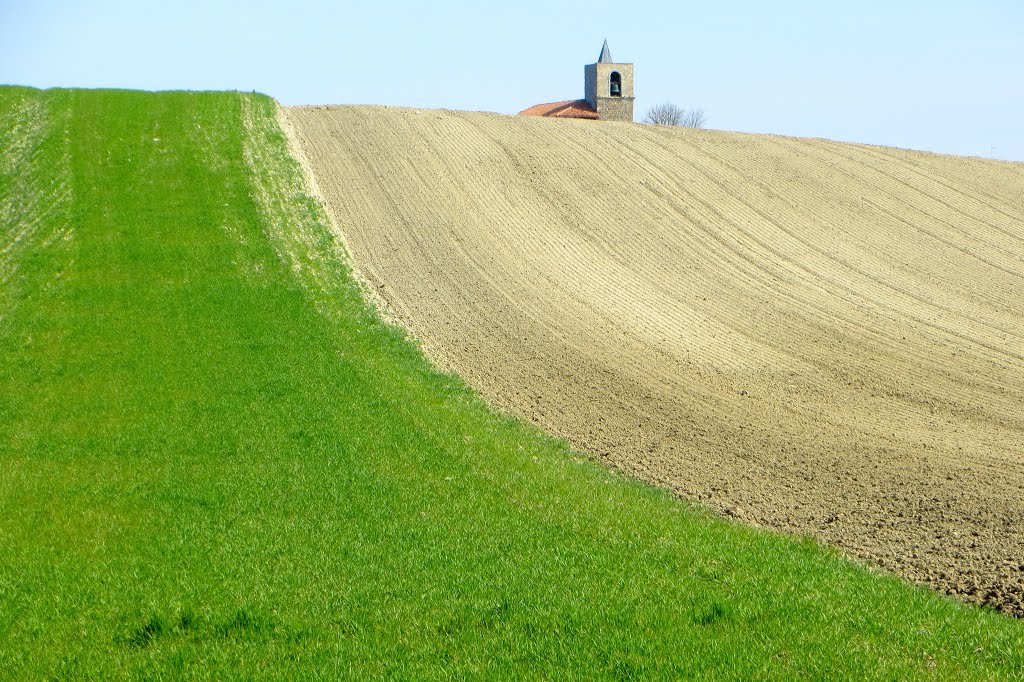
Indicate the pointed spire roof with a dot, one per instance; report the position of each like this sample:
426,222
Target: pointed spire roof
606,54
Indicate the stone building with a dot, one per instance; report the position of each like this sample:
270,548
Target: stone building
608,93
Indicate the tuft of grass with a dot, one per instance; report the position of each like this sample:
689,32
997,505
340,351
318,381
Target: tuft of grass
187,619
242,623
217,462
144,636
714,613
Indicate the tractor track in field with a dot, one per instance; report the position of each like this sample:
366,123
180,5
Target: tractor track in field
816,337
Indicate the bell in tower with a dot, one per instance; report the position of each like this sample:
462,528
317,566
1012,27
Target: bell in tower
615,84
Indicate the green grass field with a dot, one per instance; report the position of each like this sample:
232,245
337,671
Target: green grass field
217,462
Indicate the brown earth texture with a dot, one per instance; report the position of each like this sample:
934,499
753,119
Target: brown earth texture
816,337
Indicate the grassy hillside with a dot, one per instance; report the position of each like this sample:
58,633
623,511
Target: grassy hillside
216,462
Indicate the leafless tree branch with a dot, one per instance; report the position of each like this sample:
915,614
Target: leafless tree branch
669,114
666,114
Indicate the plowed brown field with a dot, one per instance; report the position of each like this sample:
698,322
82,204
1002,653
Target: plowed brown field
817,337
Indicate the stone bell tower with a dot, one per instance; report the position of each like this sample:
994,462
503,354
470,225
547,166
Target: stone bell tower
609,87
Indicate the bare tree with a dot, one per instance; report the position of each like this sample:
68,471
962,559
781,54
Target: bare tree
693,118
666,114
669,114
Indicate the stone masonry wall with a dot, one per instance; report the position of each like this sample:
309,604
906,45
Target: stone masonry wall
590,84
615,108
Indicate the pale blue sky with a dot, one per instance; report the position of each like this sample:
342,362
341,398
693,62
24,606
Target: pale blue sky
940,75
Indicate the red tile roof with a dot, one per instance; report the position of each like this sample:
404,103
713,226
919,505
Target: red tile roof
574,108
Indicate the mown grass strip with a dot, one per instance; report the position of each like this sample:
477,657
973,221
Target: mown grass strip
216,462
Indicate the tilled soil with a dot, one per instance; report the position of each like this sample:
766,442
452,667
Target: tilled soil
816,337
